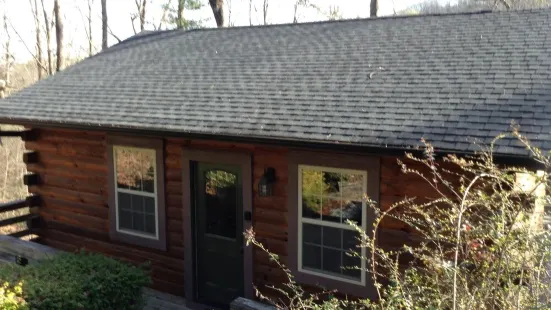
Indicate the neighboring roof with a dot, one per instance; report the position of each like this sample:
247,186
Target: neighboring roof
384,82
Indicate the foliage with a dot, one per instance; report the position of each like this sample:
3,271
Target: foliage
11,298
190,6
476,244
78,281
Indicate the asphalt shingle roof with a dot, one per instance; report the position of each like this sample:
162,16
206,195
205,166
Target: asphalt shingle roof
384,82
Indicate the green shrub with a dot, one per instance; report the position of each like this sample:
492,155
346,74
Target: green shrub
11,297
78,281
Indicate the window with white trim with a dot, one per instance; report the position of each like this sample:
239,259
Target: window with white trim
327,198
136,191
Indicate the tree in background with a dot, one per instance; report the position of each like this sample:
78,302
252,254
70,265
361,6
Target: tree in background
373,8
48,30
435,7
5,83
90,36
220,11
177,15
140,15
59,36
39,63
265,11
104,26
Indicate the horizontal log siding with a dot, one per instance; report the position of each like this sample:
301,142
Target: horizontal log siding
73,169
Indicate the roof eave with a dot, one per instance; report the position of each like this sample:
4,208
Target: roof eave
506,159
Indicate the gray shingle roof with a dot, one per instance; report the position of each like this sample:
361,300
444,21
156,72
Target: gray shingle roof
379,82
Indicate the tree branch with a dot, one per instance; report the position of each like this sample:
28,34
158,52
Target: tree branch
112,34
26,47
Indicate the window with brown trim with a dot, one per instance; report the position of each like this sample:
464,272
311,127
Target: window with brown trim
136,191
325,192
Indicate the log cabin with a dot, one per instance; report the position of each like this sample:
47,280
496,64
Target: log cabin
166,147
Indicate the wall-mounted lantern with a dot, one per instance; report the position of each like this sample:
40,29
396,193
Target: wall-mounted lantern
265,185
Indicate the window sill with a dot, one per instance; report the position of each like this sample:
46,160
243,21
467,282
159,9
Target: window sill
133,239
342,286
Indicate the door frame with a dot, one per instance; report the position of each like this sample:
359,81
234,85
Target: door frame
242,160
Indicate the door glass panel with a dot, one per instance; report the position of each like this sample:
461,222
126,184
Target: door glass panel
221,203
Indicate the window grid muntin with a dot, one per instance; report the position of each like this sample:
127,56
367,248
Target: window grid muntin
345,226
135,192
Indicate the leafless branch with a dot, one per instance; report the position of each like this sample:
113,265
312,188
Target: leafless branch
26,47
113,35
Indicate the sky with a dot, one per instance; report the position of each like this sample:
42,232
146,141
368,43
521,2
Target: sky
21,22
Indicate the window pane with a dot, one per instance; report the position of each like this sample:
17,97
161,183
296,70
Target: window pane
332,260
332,237
138,221
150,224
311,182
352,186
349,266
311,233
331,210
135,169
137,203
352,210
125,219
311,207
331,184
221,203
351,240
149,205
311,256
124,202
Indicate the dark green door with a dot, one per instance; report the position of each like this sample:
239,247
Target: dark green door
218,233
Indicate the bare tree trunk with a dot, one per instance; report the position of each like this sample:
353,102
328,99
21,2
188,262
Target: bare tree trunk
265,12
163,16
34,9
6,82
250,12
142,16
219,11
141,12
229,11
374,7
90,39
58,35
140,6
295,19
103,25
180,21
48,39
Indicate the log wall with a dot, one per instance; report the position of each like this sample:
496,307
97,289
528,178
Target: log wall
73,169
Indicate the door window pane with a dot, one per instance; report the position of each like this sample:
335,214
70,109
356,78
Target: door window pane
221,194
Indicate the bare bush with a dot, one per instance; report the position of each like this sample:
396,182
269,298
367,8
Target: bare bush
480,242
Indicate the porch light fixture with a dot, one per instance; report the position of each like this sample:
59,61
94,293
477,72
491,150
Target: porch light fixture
265,184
